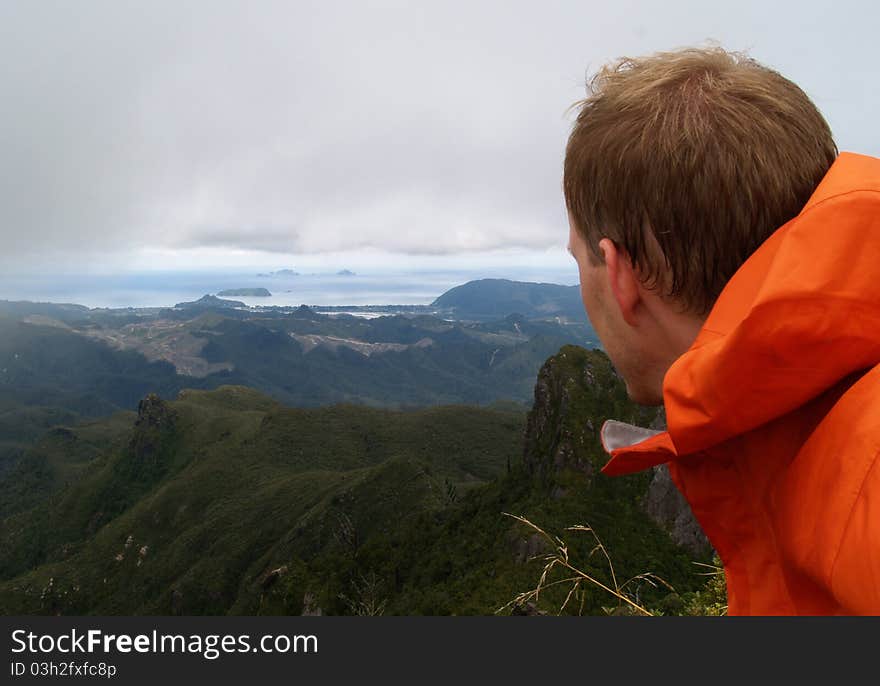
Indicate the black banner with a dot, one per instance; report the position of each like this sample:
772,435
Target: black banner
144,650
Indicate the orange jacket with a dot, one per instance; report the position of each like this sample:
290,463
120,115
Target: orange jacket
773,413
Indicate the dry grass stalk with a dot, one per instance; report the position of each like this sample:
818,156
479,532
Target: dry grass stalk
559,558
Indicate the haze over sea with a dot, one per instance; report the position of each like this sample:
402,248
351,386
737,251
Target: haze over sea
165,289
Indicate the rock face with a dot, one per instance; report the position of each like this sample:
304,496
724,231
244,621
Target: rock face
154,412
549,445
576,391
665,504
154,425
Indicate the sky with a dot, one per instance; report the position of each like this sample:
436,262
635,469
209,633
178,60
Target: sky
203,135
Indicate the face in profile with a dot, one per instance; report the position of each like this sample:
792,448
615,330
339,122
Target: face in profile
623,342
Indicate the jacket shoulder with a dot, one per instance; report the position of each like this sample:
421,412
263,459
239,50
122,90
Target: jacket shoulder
849,173
827,505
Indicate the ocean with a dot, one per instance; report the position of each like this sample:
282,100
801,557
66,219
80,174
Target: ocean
165,289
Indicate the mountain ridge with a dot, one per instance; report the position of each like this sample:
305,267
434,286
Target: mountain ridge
225,501
497,298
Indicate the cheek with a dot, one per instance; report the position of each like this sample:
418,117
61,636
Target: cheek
590,293
585,297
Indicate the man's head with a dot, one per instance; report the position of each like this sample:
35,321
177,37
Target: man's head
678,167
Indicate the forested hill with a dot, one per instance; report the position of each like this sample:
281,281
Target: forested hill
62,362
224,501
488,298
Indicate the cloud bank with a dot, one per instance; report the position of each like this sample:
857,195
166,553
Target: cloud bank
285,129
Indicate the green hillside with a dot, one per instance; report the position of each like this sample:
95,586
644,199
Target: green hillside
210,481
226,502
94,362
496,298
52,375
64,363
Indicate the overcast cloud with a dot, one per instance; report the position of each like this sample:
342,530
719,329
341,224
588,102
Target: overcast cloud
182,133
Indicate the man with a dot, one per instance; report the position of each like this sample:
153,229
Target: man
730,264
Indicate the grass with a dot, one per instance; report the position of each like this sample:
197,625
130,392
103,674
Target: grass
578,581
561,572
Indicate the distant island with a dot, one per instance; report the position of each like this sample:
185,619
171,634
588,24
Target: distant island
280,272
249,292
345,272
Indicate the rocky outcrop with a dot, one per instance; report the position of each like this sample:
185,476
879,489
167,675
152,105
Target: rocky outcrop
549,445
153,430
271,577
154,421
665,504
155,412
529,547
576,391
667,507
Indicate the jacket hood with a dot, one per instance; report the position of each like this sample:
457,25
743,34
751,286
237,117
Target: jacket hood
800,314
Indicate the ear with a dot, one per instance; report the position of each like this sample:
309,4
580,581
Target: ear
622,280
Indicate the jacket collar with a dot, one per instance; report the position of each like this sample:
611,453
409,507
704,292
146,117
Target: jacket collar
799,315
